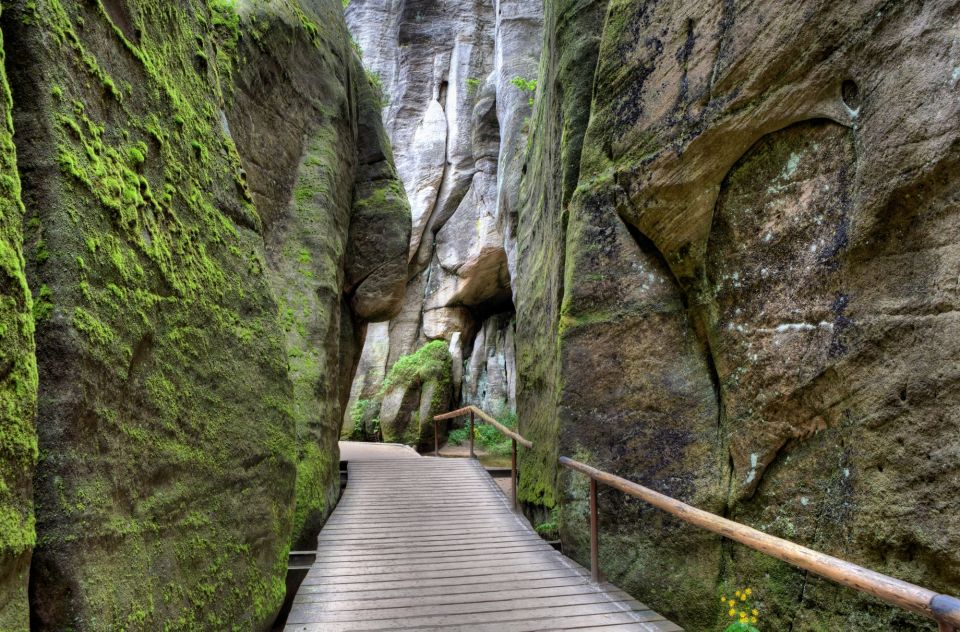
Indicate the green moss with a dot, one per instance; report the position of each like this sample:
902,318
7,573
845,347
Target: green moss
42,304
138,153
429,363
167,317
18,383
315,470
376,83
525,85
359,412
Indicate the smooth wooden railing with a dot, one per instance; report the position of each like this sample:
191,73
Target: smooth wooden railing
944,609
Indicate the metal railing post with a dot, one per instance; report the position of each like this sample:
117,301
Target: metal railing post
472,456
594,534
436,438
513,473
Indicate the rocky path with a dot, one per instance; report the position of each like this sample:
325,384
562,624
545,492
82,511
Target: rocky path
432,544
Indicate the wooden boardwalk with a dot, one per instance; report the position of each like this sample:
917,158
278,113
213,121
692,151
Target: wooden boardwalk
432,544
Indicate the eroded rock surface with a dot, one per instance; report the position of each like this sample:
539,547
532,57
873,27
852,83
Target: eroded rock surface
458,120
742,291
18,384
212,216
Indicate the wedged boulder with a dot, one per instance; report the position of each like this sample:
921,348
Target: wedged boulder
445,322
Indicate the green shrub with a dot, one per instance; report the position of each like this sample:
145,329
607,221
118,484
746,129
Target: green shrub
485,437
525,85
550,529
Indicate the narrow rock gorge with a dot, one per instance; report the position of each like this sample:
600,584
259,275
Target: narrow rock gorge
725,244
711,247
457,79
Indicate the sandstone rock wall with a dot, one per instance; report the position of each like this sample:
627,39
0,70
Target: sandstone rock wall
459,123
212,216
739,287
18,384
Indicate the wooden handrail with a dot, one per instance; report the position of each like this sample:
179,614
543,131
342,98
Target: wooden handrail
510,434
515,439
944,609
941,608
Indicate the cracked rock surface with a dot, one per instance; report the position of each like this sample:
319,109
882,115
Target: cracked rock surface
736,282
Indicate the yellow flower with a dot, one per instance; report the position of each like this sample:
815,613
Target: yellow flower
730,603
754,612
732,612
737,593
743,597
723,599
748,591
753,619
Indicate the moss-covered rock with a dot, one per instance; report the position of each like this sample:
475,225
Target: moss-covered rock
189,172
417,387
167,454
733,293
18,385
336,257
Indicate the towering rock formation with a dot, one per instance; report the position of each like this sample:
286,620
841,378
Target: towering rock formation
212,216
457,79
737,284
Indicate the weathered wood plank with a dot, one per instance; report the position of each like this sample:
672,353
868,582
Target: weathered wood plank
462,610
447,591
423,544
500,594
303,614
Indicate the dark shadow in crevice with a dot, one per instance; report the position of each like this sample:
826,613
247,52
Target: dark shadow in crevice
119,14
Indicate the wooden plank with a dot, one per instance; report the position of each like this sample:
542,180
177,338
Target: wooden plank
444,555
446,591
476,619
426,547
334,587
319,576
434,544
420,525
451,561
411,611
655,626
464,598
